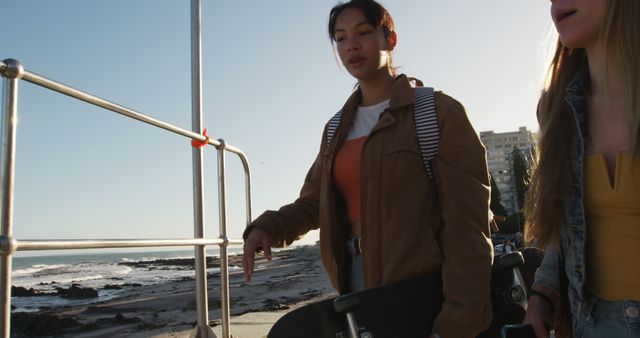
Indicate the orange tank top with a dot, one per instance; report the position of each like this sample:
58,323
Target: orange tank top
346,174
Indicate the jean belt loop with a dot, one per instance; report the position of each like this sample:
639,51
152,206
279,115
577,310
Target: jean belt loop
354,246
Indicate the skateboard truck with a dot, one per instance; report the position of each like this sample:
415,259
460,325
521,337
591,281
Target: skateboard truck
509,279
348,305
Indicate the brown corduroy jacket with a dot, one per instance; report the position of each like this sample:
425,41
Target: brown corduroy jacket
411,225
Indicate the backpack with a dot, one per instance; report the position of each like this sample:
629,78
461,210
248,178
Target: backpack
425,120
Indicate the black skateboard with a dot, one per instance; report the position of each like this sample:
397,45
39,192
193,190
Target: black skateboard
408,309
405,309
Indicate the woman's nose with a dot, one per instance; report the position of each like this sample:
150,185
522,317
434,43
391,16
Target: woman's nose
352,44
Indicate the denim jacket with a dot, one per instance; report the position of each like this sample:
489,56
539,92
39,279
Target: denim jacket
573,233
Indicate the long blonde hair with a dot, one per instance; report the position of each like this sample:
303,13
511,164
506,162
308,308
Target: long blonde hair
552,179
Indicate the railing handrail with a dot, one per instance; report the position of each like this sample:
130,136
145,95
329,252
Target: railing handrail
45,82
66,244
8,244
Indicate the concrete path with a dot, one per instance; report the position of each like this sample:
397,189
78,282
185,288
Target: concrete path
251,325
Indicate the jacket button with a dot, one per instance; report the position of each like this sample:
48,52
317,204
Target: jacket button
632,312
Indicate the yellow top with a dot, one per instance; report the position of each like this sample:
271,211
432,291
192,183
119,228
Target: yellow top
613,236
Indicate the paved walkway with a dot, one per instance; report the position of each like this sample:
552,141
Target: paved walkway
248,325
251,325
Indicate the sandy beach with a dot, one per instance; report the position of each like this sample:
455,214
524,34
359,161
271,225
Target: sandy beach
294,277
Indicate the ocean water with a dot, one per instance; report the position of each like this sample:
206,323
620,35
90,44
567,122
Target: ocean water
47,273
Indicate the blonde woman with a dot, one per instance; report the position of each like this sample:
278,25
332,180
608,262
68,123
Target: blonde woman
584,201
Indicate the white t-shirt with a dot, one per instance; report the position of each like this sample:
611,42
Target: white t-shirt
366,118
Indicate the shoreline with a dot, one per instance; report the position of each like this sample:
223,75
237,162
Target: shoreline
293,278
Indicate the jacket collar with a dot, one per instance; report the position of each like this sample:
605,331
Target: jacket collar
401,95
576,98
578,87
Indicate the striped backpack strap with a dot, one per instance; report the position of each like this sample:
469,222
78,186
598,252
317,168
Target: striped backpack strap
427,129
332,126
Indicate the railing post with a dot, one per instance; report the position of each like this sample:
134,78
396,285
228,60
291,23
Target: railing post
202,330
247,188
224,257
11,75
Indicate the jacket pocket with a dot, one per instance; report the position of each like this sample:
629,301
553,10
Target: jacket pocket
404,156
403,145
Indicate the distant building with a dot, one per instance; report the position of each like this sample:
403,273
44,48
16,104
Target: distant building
499,149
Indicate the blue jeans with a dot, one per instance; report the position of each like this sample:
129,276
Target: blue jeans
603,318
356,276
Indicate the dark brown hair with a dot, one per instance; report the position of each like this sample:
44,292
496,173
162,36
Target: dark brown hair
375,14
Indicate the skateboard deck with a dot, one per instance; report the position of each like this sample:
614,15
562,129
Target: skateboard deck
408,309
405,309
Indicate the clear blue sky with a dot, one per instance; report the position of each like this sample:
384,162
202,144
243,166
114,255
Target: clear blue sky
270,82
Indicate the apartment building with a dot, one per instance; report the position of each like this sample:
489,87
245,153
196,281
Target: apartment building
499,159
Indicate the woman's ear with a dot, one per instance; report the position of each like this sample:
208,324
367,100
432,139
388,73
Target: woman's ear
392,38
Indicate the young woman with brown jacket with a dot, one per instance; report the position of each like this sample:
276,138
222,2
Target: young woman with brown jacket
382,219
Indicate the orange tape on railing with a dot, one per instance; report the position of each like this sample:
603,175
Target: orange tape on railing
199,144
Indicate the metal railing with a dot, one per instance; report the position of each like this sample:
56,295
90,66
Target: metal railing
12,72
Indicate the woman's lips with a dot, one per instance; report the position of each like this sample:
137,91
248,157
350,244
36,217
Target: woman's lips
356,61
561,15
